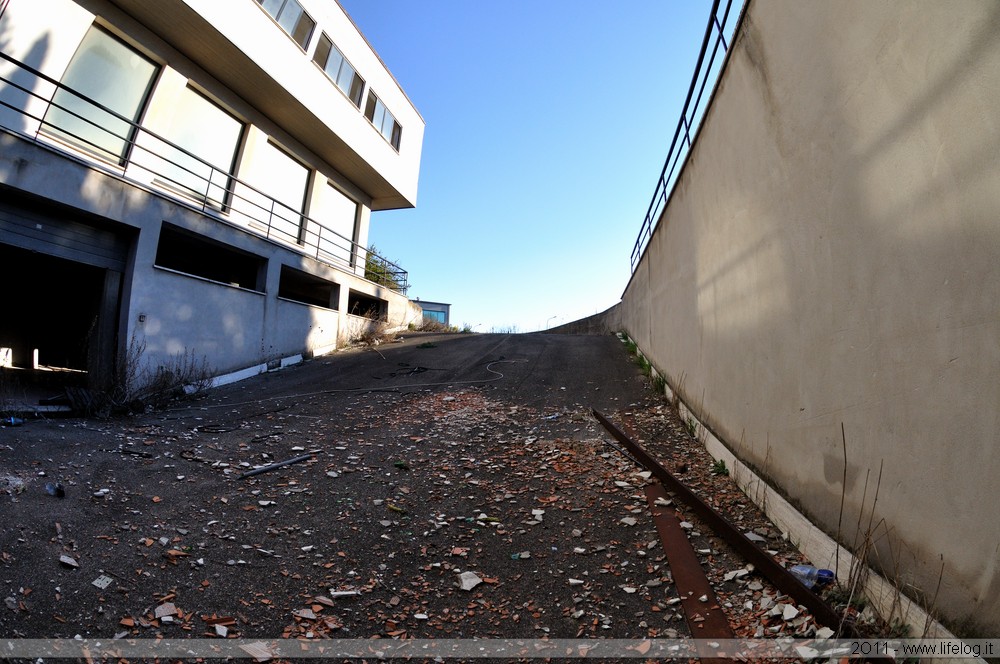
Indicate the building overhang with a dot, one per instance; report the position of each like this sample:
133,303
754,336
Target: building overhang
187,31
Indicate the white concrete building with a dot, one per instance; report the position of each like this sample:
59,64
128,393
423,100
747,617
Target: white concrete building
193,179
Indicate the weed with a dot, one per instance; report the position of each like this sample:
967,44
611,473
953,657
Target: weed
691,425
719,467
372,331
137,387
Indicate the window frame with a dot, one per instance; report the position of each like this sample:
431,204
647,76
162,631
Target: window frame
228,190
373,106
276,17
55,132
332,47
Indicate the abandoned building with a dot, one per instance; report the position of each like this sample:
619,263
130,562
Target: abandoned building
191,181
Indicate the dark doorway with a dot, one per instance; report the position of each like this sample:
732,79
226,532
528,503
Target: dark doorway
57,318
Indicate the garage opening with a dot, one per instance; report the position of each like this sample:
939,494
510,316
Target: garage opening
52,327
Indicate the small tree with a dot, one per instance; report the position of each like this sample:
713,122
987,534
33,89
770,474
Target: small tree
378,269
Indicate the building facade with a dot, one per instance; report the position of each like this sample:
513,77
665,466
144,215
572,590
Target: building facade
436,312
192,180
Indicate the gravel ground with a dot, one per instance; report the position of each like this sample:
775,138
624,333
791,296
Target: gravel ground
449,487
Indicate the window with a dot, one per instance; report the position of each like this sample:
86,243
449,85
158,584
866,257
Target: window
199,256
281,178
367,306
337,216
308,289
383,120
336,66
209,133
111,74
292,19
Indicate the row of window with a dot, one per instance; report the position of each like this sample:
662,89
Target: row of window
293,19
192,254
199,149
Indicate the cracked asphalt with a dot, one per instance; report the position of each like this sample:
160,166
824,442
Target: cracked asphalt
442,486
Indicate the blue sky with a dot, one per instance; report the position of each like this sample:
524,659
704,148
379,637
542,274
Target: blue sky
547,126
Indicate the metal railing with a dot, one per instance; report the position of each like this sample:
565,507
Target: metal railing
690,121
149,160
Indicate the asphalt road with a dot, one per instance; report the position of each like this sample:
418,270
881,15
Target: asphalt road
423,459
442,487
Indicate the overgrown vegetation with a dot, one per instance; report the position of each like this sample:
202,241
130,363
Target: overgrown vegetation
437,326
377,269
372,332
138,387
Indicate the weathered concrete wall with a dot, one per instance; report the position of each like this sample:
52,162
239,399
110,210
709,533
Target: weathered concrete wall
174,316
831,255
606,322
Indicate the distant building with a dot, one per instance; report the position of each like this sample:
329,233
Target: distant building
194,179
436,312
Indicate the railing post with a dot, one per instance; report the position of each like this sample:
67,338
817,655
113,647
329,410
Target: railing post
208,188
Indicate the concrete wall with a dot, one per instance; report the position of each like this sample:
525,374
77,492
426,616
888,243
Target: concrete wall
831,256
174,315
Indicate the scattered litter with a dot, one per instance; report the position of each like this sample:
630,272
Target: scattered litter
343,593
103,581
69,561
165,609
280,464
55,489
469,580
736,574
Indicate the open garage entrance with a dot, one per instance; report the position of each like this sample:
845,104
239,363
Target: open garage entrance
53,332
62,278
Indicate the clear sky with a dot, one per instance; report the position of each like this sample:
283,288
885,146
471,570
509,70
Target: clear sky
547,125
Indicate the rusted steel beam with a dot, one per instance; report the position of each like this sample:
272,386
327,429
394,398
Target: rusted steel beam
705,618
781,578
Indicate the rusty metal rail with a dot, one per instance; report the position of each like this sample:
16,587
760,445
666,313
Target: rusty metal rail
762,561
705,618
